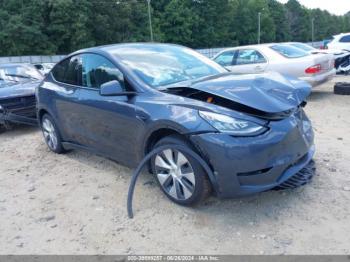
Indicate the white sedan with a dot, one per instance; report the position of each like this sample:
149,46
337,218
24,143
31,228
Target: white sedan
282,58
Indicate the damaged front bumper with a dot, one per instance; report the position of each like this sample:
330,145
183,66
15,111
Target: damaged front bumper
247,165
18,110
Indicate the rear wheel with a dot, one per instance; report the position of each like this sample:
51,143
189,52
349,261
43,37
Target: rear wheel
51,134
179,175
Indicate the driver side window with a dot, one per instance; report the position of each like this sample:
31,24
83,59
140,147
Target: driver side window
98,70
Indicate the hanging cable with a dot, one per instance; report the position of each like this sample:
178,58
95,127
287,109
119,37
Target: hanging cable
154,152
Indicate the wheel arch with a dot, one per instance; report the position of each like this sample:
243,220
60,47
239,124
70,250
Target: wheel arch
157,135
41,113
161,132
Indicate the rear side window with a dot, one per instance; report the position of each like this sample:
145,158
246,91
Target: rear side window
225,59
249,56
69,71
74,71
59,70
289,51
345,39
98,70
303,46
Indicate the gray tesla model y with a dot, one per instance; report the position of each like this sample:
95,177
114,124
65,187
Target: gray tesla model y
121,101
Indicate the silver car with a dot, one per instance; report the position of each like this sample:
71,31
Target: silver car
311,50
282,58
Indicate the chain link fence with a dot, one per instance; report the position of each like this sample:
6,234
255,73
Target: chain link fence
209,52
31,59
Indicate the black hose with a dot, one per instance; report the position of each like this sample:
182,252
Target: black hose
157,150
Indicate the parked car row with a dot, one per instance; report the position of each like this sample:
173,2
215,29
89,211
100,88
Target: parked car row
121,101
287,59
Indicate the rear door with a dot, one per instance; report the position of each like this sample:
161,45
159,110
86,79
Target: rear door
108,123
226,59
248,61
64,98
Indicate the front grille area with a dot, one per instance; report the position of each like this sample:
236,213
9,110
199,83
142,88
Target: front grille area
257,172
301,178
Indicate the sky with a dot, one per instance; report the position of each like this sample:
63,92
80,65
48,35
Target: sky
337,7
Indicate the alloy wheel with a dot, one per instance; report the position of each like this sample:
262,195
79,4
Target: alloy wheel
175,174
49,134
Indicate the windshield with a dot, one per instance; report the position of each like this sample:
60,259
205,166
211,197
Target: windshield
303,46
289,51
161,65
14,74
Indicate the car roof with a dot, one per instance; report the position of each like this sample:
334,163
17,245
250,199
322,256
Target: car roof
341,34
260,46
257,46
114,47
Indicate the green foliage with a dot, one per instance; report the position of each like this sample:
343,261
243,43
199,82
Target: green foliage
61,26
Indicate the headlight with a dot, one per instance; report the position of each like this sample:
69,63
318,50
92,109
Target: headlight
234,126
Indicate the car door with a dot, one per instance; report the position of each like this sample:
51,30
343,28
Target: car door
248,61
108,123
63,94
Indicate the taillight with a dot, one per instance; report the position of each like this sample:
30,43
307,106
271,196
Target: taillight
313,69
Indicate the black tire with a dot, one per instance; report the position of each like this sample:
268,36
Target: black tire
54,147
200,190
2,128
342,88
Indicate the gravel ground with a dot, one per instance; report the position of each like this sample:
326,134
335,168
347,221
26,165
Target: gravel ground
76,203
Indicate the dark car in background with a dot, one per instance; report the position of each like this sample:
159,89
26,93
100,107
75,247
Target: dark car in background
122,101
17,93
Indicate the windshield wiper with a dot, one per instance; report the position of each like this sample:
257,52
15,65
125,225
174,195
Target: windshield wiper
22,76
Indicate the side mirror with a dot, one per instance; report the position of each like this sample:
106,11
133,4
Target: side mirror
112,88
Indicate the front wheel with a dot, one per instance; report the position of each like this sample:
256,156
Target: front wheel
179,175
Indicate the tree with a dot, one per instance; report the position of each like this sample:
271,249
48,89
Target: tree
178,22
299,21
29,27
22,28
278,14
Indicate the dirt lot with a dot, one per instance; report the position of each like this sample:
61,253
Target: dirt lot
76,203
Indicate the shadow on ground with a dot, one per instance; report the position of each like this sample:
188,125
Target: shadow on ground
18,130
254,209
318,95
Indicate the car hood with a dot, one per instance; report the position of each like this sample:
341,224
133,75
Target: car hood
267,92
18,90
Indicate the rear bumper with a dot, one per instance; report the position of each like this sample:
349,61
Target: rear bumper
319,79
248,165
